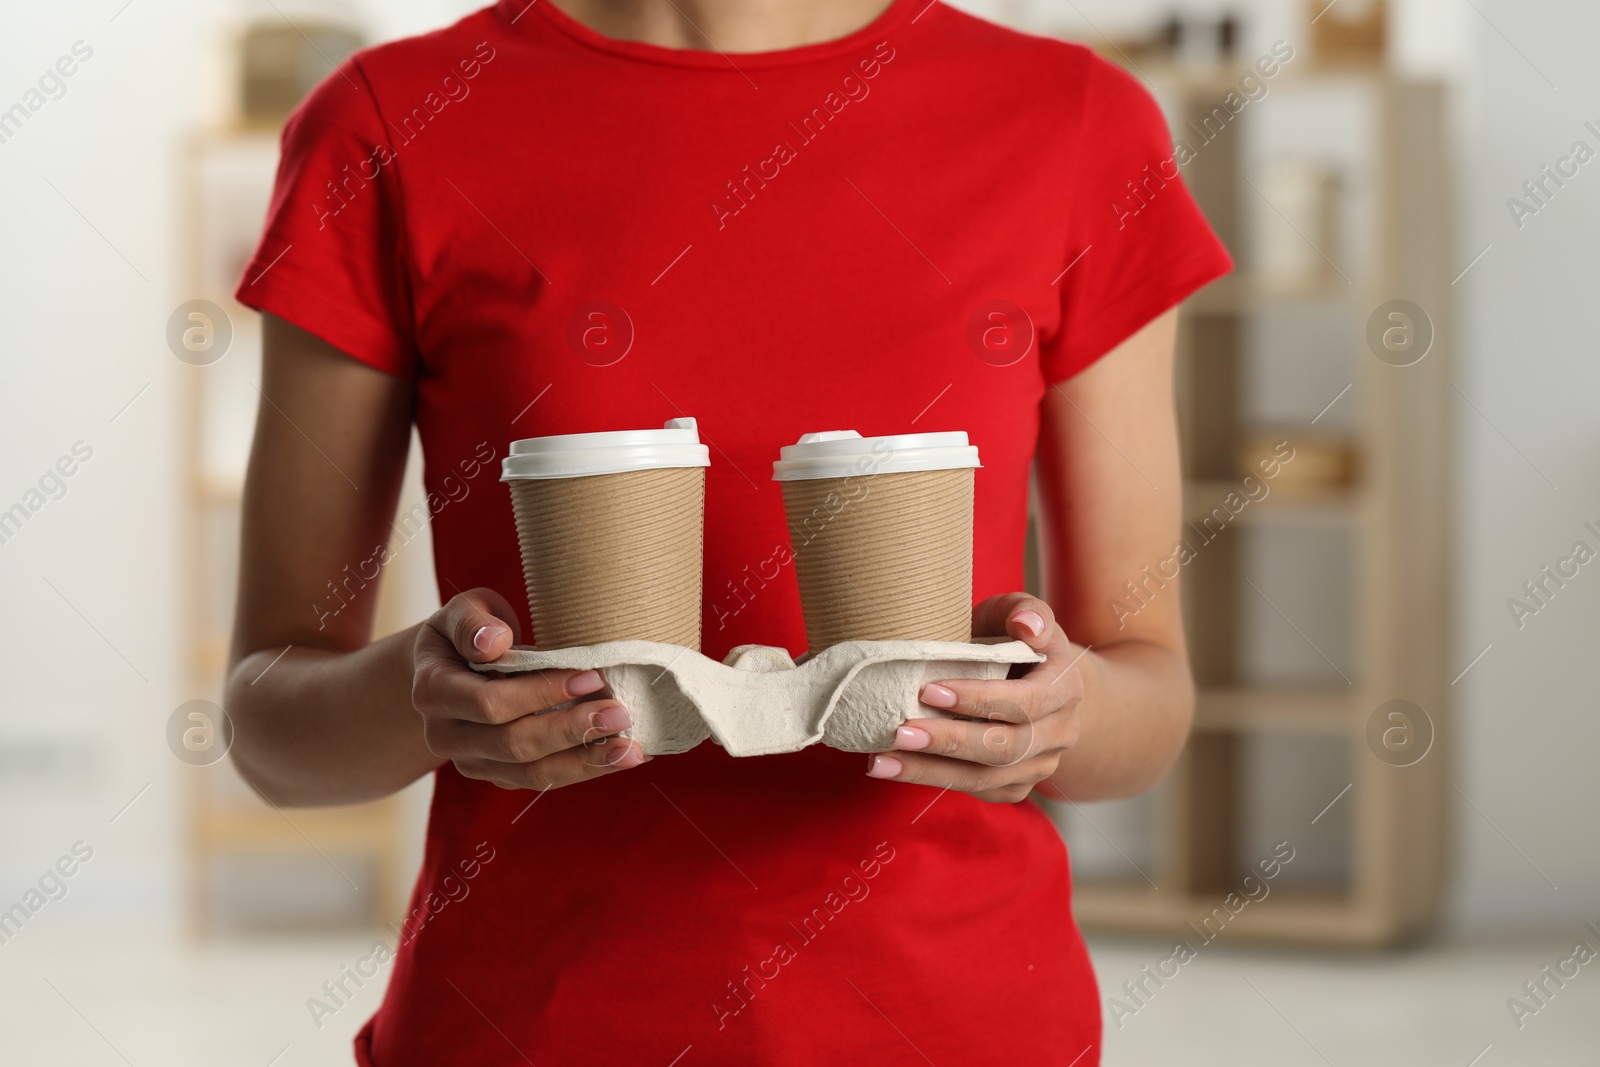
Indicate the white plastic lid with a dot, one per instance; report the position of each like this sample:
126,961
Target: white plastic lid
577,455
845,454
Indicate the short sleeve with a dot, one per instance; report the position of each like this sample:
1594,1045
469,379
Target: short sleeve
1137,244
331,256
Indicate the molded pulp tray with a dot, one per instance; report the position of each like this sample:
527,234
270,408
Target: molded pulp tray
851,696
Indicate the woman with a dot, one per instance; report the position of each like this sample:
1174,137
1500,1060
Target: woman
776,216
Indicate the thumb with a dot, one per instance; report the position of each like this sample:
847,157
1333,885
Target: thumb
479,624
1016,615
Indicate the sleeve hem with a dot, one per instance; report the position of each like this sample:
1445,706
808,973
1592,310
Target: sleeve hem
1141,304
349,330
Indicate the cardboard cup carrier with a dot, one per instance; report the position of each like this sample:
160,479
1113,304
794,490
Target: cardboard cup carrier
611,527
881,529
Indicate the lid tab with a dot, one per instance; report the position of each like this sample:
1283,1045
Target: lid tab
846,454
829,435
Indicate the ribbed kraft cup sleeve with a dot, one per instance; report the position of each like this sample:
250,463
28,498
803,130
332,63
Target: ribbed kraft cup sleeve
613,557
883,557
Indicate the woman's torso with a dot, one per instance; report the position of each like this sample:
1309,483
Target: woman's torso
592,237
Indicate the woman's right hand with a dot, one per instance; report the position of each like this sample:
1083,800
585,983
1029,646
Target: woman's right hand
499,728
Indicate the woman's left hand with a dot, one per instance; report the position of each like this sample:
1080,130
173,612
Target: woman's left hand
1025,724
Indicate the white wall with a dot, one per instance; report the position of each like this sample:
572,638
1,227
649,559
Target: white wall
84,336
1527,712
93,666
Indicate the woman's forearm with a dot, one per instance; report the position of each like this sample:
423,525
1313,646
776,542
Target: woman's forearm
1110,505
319,727
1138,703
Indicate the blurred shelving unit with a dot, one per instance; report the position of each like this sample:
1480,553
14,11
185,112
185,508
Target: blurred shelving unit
226,172
1389,506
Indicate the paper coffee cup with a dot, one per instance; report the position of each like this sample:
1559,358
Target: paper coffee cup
611,527
881,529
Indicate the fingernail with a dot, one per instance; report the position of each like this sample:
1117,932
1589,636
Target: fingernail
618,756
486,636
912,737
584,684
937,696
611,720
884,767
1031,621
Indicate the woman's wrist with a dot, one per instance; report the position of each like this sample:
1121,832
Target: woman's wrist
1137,707
315,726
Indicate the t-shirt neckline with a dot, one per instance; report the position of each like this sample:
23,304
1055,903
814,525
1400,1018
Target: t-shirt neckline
898,11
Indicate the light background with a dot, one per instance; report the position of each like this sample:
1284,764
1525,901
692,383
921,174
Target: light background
89,273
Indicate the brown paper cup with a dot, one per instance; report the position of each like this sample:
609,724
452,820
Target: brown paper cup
883,557
613,557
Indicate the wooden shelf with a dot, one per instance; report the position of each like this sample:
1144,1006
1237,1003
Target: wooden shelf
1283,504
1394,522
254,828
1302,916
226,176
209,654
209,488
1216,78
221,828
1337,712
1243,294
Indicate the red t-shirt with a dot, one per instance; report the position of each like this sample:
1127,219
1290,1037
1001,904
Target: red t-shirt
914,228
